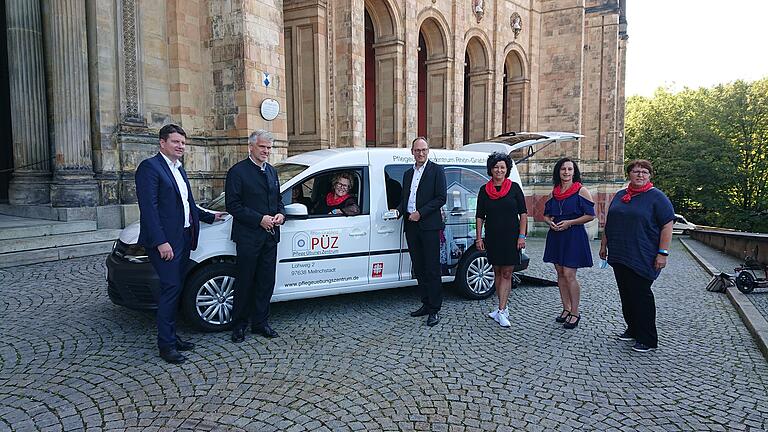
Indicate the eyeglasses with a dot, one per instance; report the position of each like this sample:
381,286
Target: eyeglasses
640,172
341,185
420,150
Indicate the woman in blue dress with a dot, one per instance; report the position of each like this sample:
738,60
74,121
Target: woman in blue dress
567,247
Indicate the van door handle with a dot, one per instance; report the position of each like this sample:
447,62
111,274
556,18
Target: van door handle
458,213
357,233
385,230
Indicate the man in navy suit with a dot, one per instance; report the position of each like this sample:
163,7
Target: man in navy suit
423,195
170,224
253,200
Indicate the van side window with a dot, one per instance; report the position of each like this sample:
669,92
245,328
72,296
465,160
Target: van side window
324,194
463,184
393,181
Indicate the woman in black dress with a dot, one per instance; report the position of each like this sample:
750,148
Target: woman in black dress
501,208
338,201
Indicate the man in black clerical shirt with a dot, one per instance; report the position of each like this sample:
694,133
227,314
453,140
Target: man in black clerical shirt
253,200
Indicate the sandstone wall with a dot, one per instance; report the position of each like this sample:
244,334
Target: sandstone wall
203,64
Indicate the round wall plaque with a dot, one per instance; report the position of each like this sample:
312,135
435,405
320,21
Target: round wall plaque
270,108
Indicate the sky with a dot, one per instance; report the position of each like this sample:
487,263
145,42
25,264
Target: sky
694,43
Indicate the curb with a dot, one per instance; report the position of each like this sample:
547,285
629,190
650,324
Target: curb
753,319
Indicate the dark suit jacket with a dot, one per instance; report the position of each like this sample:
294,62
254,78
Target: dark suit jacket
251,194
161,210
430,196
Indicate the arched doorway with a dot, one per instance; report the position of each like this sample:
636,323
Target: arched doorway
370,84
467,67
514,103
422,80
477,90
433,71
384,63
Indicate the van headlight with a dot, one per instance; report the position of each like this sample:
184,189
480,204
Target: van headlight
134,253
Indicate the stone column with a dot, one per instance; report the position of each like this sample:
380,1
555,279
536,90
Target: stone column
389,59
30,183
67,60
348,70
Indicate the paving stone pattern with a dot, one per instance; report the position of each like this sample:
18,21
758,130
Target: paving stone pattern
71,360
726,263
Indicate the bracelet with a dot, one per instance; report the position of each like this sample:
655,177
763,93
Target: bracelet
521,236
663,252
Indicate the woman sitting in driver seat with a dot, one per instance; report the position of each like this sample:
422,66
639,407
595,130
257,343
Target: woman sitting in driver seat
338,201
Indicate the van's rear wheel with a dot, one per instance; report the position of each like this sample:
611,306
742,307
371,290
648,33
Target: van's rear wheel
208,296
474,276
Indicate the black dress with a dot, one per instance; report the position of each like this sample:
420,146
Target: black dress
348,207
502,224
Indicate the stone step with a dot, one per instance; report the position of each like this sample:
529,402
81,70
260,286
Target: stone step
40,228
30,211
57,241
13,259
66,214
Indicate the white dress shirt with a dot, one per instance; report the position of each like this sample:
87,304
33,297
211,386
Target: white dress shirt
417,172
183,192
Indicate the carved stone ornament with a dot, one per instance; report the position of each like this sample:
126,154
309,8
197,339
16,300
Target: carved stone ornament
516,21
130,65
478,8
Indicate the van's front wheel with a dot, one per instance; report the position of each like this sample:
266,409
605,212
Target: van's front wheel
474,276
208,296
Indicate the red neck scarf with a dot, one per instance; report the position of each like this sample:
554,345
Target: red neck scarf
332,200
560,195
635,191
493,194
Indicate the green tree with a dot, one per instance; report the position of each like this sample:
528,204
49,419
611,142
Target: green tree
740,116
709,148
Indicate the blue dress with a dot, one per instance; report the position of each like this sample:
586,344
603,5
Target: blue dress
569,248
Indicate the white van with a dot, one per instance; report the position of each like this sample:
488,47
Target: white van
321,254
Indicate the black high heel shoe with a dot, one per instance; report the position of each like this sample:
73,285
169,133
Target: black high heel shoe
563,315
572,324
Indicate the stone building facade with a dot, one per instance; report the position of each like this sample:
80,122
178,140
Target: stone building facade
90,82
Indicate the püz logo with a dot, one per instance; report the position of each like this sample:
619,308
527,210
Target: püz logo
324,242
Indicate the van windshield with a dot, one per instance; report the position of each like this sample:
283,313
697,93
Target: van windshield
287,171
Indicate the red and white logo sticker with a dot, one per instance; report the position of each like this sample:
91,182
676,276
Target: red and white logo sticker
378,269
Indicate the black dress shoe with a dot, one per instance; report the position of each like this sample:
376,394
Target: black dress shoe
172,356
570,323
184,345
238,334
433,319
265,331
420,312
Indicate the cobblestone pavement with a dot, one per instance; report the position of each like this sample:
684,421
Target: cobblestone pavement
71,360
726,263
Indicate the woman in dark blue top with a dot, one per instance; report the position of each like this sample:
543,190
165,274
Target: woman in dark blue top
567,247
638,231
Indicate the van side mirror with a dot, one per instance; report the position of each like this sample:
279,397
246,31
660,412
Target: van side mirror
296,211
